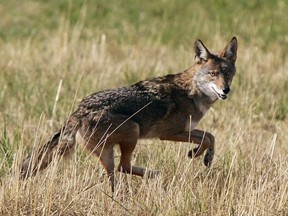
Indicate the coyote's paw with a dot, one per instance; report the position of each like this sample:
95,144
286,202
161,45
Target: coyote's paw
208,158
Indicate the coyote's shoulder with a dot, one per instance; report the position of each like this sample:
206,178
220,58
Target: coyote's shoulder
168,108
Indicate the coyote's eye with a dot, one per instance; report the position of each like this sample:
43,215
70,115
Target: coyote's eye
213,73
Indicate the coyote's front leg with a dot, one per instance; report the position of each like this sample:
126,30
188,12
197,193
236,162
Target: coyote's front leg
204,139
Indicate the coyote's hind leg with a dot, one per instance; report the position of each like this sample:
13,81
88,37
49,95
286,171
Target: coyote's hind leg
125,162
105,154
128,136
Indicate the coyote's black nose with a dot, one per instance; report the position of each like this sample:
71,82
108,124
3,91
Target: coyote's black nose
226,90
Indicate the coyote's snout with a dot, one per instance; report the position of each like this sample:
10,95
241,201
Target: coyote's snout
168,108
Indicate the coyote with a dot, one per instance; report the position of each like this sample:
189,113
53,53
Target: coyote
168,108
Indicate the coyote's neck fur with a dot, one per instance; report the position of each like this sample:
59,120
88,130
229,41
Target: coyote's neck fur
187,81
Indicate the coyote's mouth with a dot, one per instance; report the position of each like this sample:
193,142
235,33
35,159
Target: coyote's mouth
220,96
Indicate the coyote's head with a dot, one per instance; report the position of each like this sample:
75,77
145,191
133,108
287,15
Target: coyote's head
216,71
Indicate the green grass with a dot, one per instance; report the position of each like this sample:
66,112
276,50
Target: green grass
94,45
170,22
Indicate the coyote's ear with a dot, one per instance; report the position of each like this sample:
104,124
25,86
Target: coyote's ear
230,51
201,52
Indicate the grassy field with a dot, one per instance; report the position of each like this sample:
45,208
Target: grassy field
53,53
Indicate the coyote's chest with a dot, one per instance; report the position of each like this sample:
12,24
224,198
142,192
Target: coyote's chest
193,120
191,124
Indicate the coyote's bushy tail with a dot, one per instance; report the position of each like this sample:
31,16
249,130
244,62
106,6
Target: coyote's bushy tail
60,144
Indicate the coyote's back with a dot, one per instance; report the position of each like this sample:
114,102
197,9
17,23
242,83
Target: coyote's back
168,108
